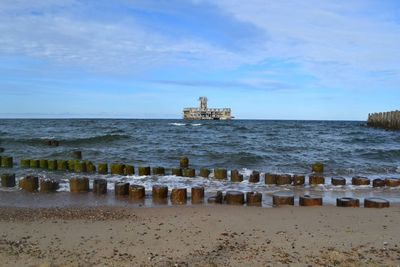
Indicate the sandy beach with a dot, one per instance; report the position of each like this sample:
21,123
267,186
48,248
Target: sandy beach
200,236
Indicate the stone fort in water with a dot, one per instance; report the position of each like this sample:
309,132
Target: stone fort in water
205,113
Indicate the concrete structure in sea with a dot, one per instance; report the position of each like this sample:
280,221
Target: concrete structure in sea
205,113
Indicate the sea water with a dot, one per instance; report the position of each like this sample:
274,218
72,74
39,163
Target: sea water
347,148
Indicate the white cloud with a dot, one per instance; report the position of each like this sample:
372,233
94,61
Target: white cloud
327,38
339,43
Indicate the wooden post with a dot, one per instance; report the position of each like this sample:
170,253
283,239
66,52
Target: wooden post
204,172
29,183
253,199
236,177
336,181
48,185
375,202
254,177
8,180
234,198
279,199
99,186
78,184
358,180
308,200
378,183
176,171
136,192
348,202
178,196
220,174
197,194
121,189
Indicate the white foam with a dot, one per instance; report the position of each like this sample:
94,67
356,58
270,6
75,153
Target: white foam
196,124
177,124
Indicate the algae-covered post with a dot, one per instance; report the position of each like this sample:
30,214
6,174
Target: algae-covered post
386,120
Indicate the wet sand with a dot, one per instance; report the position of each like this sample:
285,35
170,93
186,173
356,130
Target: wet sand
200,236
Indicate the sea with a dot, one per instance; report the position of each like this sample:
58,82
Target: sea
346,148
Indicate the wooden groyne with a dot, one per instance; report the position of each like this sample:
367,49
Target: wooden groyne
385,120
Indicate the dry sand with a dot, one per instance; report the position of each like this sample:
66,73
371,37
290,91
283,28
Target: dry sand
200,236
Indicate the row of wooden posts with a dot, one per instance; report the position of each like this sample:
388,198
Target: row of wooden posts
315,178
179,195
386,120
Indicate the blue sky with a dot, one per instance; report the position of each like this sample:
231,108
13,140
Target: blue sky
149,59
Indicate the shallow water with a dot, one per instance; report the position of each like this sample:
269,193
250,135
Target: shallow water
346,148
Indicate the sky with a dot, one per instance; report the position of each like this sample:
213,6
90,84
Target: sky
286,59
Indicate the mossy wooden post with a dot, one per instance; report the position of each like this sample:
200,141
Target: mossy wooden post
121,189
144,170
8,180
99,186
204,172
34,163
392,182
159,171
25,163
117,169
376,202
358,180
52,165
254,177
103,168
136,192
317,167
129,170
6,162
189,172
43,164
197,194
348,202
220,173
216,199
308,200
234,198
184,162
80,166
283,179
378,183
338,181
235,176
159,194
316,179
29,183
48,186
77,154
176,171
62,165
178,196
71,164
90,167
270,178
281,198
253,199
298,179
79,185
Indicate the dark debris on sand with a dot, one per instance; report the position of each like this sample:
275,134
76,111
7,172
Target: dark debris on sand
66,213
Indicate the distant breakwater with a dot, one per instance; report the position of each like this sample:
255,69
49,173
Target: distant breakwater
386,120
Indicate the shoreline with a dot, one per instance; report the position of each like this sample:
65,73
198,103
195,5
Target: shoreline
218,235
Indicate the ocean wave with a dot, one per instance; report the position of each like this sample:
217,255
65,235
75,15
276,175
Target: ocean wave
177,124
74,141
196,124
